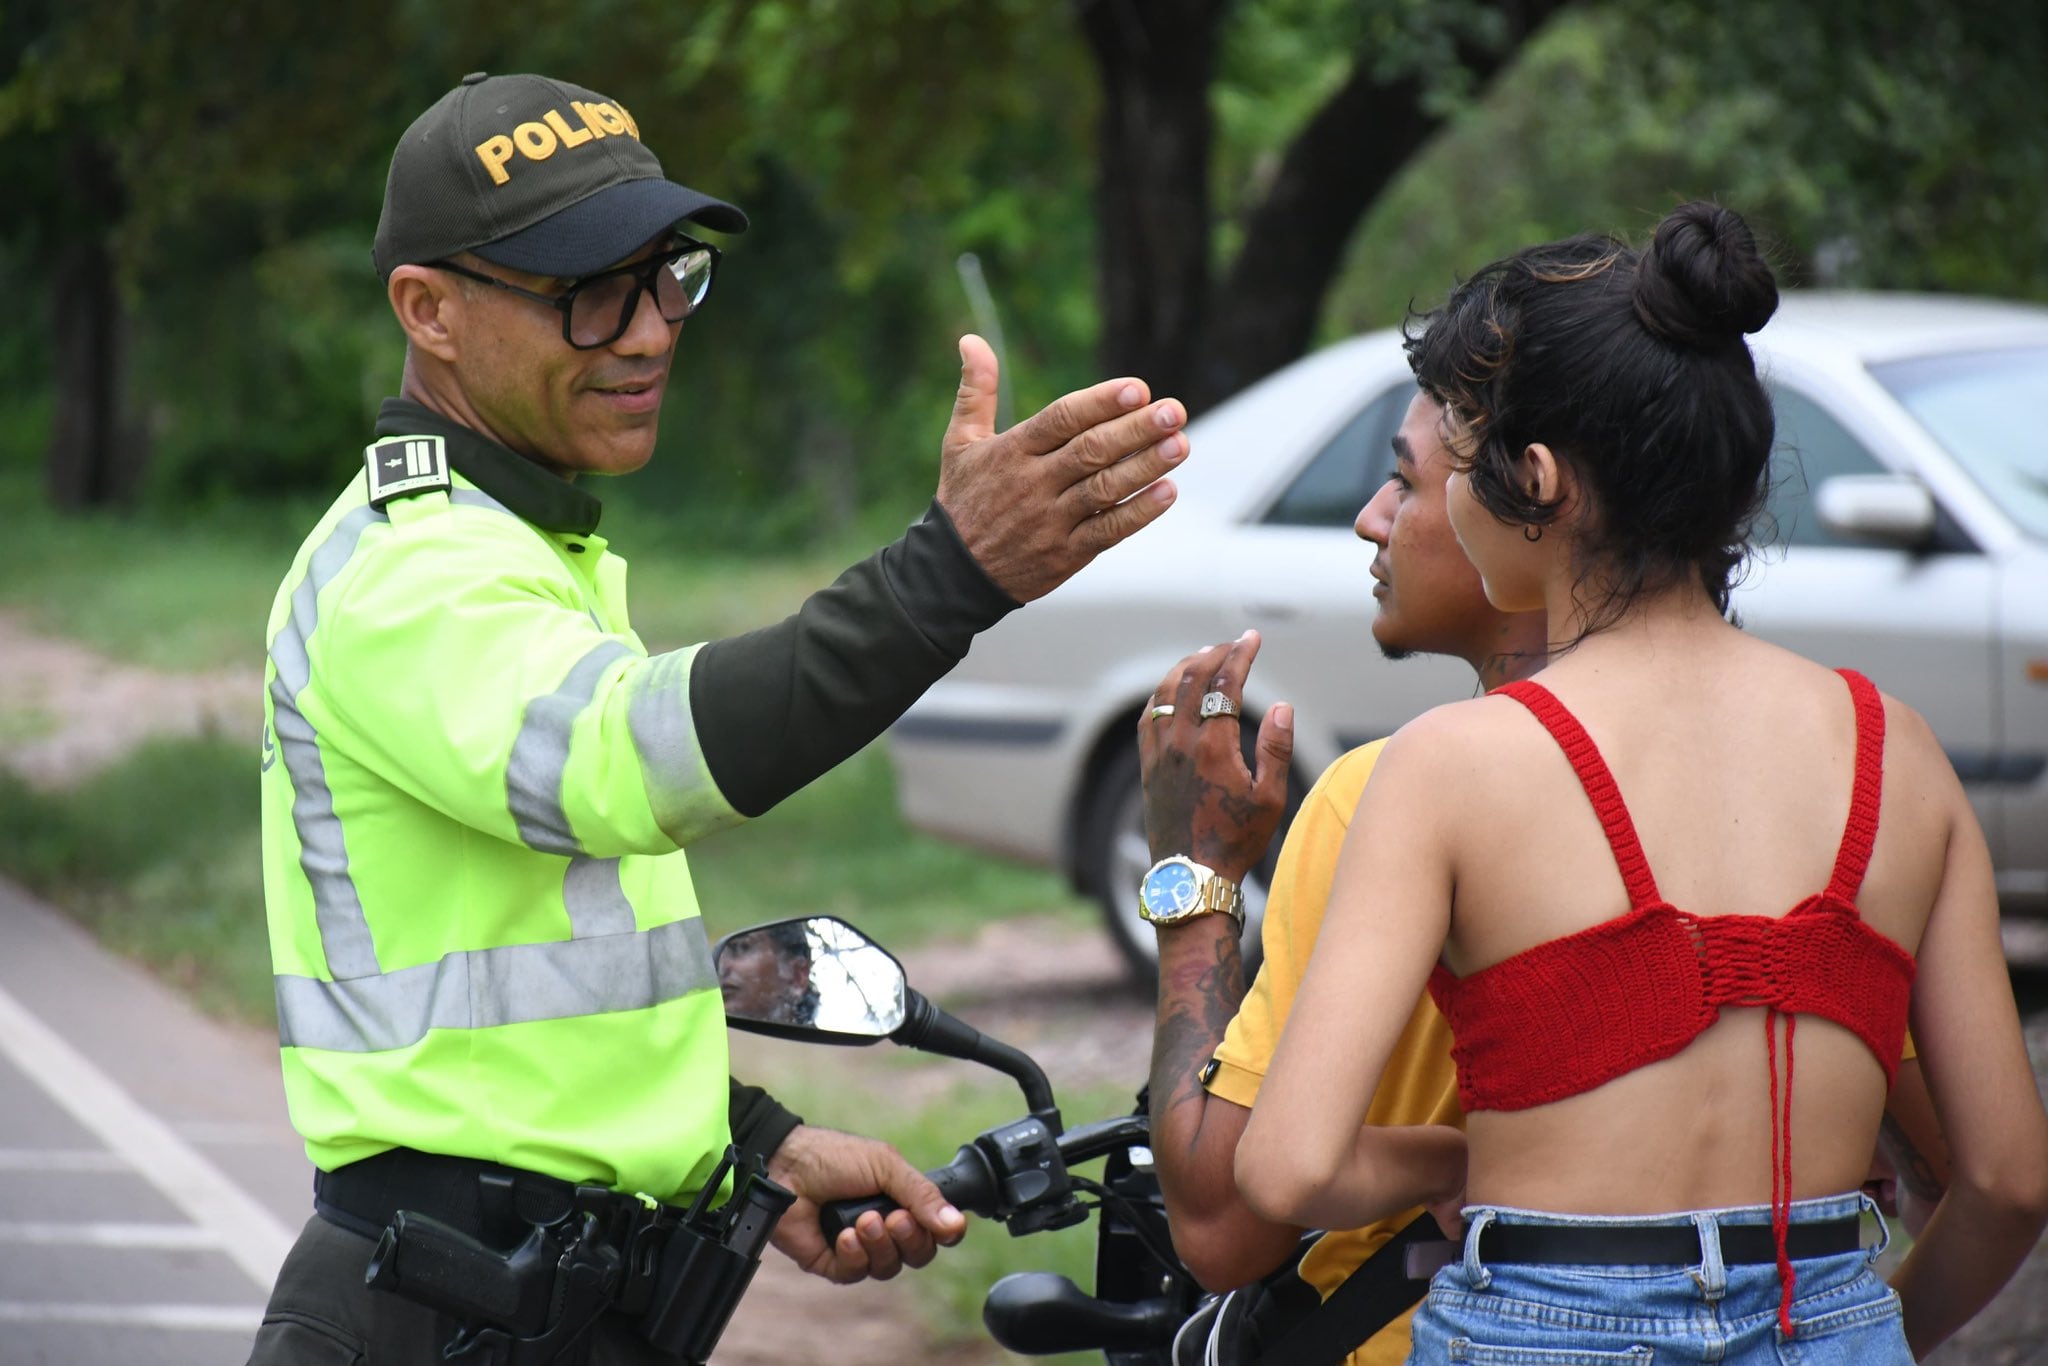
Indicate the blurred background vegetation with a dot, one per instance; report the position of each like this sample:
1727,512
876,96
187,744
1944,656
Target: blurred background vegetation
1192,190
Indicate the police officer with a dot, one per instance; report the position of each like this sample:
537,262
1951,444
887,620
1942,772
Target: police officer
495,999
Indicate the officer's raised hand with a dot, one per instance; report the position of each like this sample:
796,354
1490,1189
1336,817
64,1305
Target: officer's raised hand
824,1164
1037,502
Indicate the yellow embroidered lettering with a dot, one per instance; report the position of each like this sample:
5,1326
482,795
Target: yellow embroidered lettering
631,126
494,152
589,117
536,140
569,136
609,116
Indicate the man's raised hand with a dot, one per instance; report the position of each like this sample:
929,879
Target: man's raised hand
1037,502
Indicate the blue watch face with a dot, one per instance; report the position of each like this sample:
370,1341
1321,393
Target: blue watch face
1170,890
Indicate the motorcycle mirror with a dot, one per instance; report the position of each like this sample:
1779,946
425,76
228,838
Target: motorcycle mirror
817,979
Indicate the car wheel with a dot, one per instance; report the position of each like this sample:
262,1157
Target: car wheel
1115,856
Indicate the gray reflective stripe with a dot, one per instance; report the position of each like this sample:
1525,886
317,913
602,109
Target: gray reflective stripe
595,900
686,801
540,754
344,931
477,498
483,988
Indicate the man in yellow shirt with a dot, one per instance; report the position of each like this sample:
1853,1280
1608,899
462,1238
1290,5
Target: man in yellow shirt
1214,1039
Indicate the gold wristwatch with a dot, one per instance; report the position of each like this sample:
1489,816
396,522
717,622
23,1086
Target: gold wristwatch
1178,889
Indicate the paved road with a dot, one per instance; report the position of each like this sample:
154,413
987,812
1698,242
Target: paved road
149,1181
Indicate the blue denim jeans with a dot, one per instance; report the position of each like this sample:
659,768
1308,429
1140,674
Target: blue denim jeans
1513,1314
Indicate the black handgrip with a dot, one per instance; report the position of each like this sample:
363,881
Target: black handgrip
429,1262
965,1181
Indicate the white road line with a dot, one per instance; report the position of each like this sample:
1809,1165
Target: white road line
242,1228
59,1160
205,1318
168,1236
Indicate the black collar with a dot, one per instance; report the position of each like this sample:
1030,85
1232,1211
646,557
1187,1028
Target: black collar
545,499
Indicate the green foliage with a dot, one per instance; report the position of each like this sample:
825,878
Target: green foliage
185,589
310,349
1884,147
158,856
1893,144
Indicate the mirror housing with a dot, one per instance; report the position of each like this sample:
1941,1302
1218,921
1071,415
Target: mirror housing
817,979
1886,509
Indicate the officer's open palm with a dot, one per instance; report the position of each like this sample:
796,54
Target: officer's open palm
1040,500
823,1164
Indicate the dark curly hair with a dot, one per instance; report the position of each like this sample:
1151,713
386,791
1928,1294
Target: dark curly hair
1631,366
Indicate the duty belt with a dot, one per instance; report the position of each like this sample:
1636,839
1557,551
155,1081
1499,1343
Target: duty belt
526,1262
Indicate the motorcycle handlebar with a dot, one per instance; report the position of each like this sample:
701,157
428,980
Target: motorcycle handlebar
972,1184
966,1182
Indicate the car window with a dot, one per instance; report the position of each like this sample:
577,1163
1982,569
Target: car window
1982,406
1344,474
1811,447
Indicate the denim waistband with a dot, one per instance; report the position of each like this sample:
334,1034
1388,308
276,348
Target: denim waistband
1707,1221
1803,1211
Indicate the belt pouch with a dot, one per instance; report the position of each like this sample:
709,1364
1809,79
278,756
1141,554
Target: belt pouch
707,1264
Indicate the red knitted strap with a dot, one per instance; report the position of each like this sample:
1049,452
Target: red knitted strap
1598,782
1781,1161
1866,792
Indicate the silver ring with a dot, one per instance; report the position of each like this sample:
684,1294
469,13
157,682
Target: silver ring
1216,704
1160,712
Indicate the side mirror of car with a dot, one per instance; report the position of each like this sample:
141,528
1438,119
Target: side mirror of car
1888,509
818,979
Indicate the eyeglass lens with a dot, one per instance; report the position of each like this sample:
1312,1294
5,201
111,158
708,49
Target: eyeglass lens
603,306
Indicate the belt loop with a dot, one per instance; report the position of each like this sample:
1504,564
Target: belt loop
1477,1277
1712,1274
1884,1229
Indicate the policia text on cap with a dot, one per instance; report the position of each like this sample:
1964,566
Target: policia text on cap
502,1036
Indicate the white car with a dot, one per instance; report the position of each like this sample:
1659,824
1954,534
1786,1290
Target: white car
1911,542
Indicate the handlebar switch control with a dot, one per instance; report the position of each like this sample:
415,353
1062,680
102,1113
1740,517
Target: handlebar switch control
1031,1177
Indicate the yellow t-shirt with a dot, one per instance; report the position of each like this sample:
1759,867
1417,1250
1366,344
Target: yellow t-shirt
1421,1083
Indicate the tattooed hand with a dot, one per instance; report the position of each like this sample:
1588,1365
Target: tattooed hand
1200,798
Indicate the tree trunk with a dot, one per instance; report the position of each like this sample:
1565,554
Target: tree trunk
94,456
1156,59
1162,315
1342,160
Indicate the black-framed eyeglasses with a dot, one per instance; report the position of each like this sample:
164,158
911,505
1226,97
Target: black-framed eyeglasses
597,309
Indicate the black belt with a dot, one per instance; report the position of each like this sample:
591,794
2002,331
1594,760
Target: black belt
1662,1244
494,1204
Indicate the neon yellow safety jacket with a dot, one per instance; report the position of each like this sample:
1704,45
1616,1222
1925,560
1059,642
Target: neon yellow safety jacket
476,786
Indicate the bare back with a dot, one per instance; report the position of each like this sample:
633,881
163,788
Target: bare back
1735,761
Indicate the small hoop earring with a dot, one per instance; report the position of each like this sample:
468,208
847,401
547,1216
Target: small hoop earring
1532,533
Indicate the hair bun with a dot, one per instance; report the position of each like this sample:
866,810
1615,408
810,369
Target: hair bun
1702,283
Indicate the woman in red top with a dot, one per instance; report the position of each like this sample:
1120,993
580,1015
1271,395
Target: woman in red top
1676,896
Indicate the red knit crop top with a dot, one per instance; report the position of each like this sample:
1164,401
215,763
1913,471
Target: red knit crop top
1574,1013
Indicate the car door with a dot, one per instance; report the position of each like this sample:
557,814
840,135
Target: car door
1922,625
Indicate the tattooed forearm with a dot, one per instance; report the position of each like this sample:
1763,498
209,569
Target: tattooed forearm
1197,1000
1916,1173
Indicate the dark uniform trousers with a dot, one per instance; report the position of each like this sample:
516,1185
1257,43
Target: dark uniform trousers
321,1314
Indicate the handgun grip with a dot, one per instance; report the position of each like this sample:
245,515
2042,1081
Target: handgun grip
425,1260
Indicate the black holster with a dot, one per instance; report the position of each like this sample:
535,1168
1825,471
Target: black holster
527,1264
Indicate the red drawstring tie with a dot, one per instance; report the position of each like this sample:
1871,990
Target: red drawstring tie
1781,1161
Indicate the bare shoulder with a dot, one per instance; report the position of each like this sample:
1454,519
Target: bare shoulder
1456,742
1917,770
